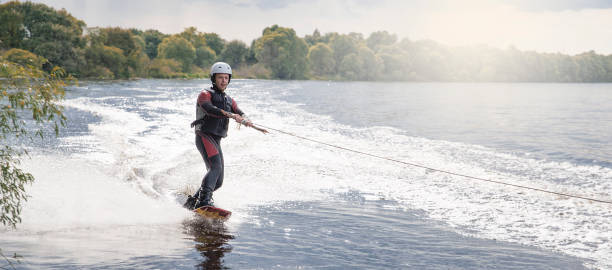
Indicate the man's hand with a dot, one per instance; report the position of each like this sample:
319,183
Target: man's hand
238,118
227,114
243,121
234,116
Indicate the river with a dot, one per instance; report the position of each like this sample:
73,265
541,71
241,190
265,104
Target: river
107,190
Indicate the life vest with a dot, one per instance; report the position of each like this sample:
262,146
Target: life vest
213,124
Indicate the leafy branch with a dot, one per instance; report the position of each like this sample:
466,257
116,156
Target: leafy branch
24,90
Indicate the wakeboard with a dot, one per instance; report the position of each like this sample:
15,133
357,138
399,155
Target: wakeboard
213,213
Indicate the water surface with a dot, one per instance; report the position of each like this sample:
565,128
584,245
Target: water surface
107,190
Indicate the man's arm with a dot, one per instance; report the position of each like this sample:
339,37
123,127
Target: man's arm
204,101
235,108
238,116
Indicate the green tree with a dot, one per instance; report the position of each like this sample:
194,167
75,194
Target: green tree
328,37
119,38
250,58
395,67
54,35
371,65
192,35
362,64
165,68
396,63
12,31
215,42
314,38
429,61
592,67
131,45
60,55
205,57
137,63
24,91
179,49
235,53
379,39
357,37
342,45
152,39
138,60
281,51
139,42
24,58
350,67
101,58
320,57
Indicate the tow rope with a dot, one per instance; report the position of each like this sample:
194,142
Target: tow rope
434,169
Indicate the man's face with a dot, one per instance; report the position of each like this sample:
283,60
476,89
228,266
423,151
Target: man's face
221,80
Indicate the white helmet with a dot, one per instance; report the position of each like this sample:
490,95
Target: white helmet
220,67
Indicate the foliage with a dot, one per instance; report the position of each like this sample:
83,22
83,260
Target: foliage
177,48
24,58
54,35
192,35
101,57
396,65
99,73
379,39
60,55
370,64
320,57
24,90
350,67
119,38
342,46
137,63
251,58
215,42
12,31
314,38
152,39
205,57
165,68
116,53
281,51
109,43
235,53
255,71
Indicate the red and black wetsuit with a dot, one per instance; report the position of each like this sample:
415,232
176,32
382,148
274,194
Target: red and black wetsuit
211,125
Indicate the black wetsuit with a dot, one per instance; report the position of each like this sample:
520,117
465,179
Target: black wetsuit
211,125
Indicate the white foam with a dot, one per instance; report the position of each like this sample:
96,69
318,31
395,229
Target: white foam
73,193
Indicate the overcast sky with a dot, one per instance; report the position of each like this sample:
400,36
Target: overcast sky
543,25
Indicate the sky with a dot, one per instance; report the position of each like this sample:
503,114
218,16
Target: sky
565,26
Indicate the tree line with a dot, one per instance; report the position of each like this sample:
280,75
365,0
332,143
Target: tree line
41,35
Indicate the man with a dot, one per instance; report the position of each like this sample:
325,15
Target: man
214,108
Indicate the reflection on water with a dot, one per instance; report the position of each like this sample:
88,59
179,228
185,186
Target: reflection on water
211,237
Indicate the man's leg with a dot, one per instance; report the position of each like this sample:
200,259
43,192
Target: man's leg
210,151
220,179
